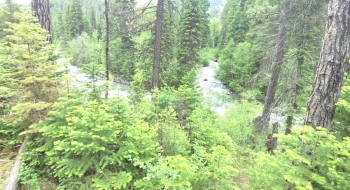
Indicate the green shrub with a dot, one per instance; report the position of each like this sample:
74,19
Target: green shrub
238,124
306,159
237,64
341,125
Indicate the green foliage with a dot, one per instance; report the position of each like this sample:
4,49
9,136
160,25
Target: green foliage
29,178
215,29
7,15
239,25
341,125
29,81
137,90
84,140
238,124
183,100
123,58
306,159
171,172
171,135
85,49
203,131
193,27
205,55
237,64
214,168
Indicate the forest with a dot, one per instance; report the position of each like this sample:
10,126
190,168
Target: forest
175,94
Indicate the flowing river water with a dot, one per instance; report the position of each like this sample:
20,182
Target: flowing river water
214,92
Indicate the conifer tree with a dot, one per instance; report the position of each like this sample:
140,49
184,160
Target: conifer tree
169,64
30,84
226,19
239,24
74,18
7,15
193,26
122,59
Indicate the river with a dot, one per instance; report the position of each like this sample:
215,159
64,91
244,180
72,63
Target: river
214,92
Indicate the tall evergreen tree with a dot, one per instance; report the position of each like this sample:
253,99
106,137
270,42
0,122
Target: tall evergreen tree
7,15
239,25
30,83
226,19
193,25
123,58
74,18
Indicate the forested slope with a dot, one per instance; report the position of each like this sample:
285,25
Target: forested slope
164,134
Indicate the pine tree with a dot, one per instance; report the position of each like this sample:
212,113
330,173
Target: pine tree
7,15
31,83
239,25
74,18
193,27
123,58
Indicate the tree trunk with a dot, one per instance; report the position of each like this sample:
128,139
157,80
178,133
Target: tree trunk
12,180
41,10
263,122
330,71
157,45
274,139
107,47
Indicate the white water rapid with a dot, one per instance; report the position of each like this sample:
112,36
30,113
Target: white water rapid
79,78
214,92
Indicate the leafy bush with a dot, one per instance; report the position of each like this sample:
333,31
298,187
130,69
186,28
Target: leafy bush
85,49
90,141
238,64
238,124
341,125
306,159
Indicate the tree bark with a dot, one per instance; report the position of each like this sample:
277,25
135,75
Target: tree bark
263,122
330,71
41,10
157,45
12,180
107,46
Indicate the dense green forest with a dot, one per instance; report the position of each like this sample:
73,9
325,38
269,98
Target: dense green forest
272,58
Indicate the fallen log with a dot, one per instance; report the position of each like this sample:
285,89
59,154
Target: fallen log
12,180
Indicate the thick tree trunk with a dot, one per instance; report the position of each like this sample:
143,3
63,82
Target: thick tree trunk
263,122
330,70
107,47
12,180
41,10
157,45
